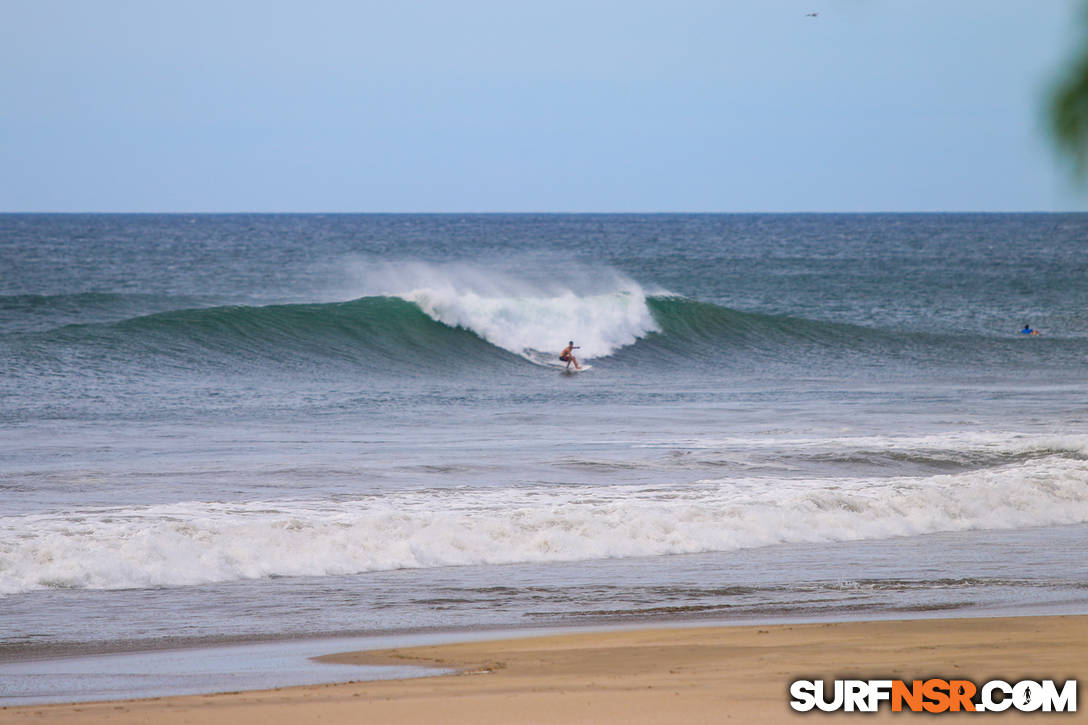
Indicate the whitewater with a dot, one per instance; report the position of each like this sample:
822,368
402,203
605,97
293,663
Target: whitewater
601,307
191,543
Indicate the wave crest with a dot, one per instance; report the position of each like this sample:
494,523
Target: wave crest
601,310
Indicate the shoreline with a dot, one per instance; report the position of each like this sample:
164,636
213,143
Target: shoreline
27,652
649,674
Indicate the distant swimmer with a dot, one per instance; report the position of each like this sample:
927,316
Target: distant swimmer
812,15
567,356
1028,331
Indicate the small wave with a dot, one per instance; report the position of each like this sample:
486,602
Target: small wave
966,448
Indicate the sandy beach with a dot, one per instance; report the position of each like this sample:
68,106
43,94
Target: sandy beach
682,675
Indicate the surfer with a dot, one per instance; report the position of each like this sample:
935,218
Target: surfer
1028,331
567,356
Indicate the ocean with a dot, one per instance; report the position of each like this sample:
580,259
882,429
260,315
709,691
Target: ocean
230,429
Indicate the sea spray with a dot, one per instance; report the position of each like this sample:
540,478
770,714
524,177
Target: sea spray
601,309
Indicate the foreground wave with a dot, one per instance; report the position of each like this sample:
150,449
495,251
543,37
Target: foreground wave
202,542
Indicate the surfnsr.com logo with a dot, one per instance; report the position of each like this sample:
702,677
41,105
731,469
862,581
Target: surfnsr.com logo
933,695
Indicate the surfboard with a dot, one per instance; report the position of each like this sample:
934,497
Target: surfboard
572,370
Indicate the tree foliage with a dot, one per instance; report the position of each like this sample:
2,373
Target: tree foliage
1069,107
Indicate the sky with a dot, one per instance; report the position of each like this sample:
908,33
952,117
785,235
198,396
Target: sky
480,106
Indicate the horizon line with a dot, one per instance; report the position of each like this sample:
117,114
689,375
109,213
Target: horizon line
538,212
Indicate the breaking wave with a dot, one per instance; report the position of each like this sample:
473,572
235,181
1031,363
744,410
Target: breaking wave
421,316
200,542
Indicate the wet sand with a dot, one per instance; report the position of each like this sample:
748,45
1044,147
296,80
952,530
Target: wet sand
664,675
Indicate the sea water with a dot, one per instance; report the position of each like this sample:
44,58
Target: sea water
228,427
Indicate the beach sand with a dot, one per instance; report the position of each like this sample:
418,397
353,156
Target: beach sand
664,675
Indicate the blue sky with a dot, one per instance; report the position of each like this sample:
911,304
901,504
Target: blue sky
328,105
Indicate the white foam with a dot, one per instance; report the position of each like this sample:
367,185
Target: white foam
201,542
600,309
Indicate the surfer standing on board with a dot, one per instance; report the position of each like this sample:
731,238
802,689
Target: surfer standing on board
567,356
